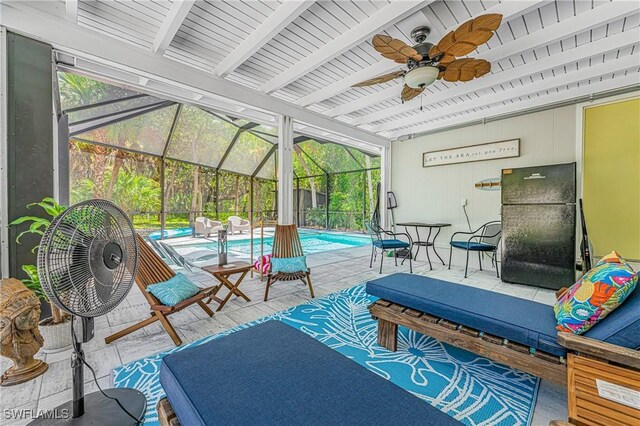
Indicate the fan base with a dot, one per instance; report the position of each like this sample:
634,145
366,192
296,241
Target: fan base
98,410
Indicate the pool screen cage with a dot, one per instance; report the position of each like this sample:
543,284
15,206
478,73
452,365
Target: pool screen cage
167,163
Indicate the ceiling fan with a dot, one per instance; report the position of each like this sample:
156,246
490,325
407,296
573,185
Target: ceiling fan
427,62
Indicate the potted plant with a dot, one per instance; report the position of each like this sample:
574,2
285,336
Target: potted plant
55,330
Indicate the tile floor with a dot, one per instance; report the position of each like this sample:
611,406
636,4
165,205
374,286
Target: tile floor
332,271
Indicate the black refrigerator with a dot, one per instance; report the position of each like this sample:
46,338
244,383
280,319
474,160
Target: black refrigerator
539,225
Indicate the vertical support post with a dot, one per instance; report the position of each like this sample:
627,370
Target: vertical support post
163,201
29,142
4,188
251,204
285,170
385,185
364,197
251,220
297,199
326,199
163,219
217,195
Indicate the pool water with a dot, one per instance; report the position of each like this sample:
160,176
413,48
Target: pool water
172,233
312,242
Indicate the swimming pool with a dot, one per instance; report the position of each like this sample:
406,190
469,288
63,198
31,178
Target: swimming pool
312,242
172,233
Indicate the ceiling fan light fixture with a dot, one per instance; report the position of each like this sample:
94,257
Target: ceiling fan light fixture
421,77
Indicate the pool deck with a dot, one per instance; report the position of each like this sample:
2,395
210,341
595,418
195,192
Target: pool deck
331,272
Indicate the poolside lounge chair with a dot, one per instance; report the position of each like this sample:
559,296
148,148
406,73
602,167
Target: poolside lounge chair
286,243
518,332
206,226
236,223
151,270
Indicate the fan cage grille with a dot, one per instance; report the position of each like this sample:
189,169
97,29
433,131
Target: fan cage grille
71,267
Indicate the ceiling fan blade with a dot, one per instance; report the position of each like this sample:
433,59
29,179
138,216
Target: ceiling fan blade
381,79
468,36
409,93
446,59
466,69
394,49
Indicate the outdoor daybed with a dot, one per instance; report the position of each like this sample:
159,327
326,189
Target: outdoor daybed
522,334
272,373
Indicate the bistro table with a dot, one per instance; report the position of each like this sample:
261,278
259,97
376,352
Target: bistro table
222,274
428,242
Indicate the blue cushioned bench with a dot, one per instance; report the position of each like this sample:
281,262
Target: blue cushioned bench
507,329
272,373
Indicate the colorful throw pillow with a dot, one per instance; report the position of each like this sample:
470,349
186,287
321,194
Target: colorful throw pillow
173,291
595,295
288,264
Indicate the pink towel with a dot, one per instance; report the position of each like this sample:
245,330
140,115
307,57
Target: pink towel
263,264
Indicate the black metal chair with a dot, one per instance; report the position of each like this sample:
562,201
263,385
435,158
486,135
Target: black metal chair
483,240
386,245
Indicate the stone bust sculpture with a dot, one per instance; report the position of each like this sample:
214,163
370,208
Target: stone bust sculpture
20,338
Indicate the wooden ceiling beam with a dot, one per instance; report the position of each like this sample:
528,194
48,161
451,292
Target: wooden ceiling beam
629,80
286,13
71,11
121,57
567,58
340,86
170,25
509,10
378,21
559,31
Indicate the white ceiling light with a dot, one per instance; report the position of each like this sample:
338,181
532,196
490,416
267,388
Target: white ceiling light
421,77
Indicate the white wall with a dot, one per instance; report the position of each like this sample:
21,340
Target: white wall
433,194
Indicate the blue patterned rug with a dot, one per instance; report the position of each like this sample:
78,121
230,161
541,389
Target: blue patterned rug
472,389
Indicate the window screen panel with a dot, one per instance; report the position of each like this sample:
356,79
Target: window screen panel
331,157
76,91
146,133
200,137
269,170
246,154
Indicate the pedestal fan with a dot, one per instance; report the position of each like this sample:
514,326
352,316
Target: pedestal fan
87,261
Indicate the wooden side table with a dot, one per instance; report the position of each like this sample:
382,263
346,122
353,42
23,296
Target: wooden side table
222,274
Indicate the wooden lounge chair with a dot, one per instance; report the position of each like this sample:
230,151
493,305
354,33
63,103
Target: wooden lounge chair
151,270
521,334
286,243
513,331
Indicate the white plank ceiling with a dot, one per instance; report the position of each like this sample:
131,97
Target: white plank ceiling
310,53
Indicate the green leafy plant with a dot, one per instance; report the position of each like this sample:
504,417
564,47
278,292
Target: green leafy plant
33,281
38,226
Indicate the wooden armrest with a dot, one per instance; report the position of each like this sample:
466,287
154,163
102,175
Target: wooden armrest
617,354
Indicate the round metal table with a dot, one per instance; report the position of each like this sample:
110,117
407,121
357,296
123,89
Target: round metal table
429,242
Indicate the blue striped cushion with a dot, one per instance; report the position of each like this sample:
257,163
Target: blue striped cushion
288,265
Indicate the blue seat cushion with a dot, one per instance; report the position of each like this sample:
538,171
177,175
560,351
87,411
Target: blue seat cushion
522,321
473,246
273,374
391,244
622,326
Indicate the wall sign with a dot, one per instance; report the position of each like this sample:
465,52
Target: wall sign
466,154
